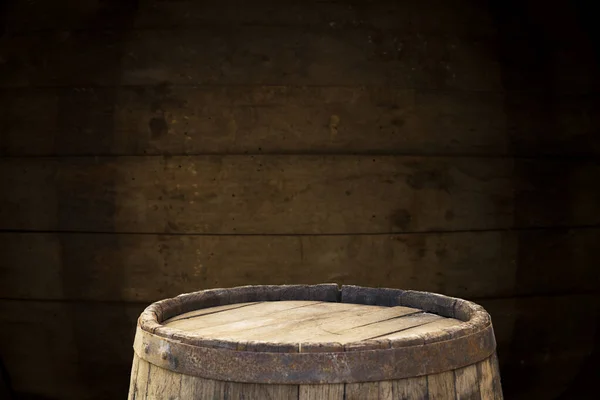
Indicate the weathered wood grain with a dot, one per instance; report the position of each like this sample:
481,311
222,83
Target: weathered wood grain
252,391
52,348
276,56
193,387
432,16
410,389
249,55
266,326
486,380
162,384
262,194
235,119
133,385
466,383
124,267
253,312
204,311
318,392
167,119
425,327
380,329
294,194
142,382
308,331
369,390
441,386
300,321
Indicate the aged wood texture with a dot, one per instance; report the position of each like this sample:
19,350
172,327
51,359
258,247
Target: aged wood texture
465,16
140,388
472,265
441,386
339,328
159,383
369,390
269,56
272,55
253,391
466,381
375,43
71,329
226,119
133,383
406,57
172,119
317,392
162,384
193,387
410,388
292,194
253,314
214,345
297,321
487,386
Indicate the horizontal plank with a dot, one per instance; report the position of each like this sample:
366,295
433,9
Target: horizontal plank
249,55
253,55
168,119
150,267
294,194
258,311
427,47
437,16
301,323
83,351
178,119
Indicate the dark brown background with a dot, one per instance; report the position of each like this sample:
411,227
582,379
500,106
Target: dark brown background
154,147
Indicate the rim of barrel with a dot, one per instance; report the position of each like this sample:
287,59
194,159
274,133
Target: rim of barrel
474,317
443,350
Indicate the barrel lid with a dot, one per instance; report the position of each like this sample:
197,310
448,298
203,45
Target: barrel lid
313,334
297,322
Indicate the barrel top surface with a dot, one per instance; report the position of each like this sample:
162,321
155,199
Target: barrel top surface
295,334
308,322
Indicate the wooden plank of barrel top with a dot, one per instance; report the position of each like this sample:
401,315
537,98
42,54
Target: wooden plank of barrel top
314,342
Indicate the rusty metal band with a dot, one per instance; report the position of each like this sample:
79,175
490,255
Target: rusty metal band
315,368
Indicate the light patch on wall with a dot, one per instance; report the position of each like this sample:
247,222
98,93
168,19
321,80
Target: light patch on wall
334,123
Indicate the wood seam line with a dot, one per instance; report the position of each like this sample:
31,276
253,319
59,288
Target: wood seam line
268,314
308,319
174,319
400,330
417,89
198,234
572,158
386,319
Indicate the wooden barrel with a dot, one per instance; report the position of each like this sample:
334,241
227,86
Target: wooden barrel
314,342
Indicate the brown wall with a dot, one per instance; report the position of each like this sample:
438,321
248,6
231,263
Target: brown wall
162,147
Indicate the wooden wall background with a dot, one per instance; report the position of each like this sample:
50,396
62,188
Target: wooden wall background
151,148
